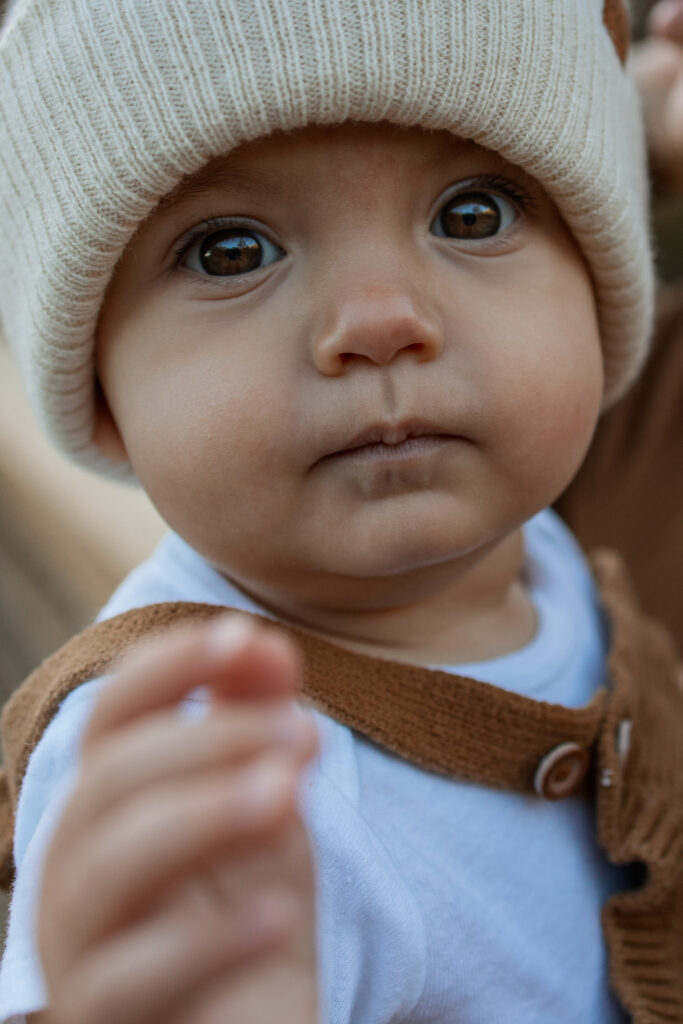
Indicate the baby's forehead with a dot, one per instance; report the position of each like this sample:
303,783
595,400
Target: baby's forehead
291,158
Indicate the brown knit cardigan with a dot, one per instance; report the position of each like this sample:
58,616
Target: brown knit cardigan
474,731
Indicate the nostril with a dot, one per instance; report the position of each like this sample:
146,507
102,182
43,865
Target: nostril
376,336
418,348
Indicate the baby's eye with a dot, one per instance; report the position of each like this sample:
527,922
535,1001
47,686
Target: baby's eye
230,252
474,216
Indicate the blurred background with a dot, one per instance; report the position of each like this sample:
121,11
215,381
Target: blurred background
66,537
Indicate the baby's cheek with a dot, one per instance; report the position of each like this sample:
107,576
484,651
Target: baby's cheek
571,412
548,405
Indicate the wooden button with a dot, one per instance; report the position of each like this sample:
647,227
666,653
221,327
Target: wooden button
562,771
624,731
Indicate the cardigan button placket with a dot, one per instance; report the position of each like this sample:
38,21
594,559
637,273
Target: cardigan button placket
562,771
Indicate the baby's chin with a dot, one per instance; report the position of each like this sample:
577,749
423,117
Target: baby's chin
422,537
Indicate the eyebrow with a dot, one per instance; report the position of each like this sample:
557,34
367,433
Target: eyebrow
218,178
258,184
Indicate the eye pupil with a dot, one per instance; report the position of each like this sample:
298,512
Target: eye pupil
231,252
472,215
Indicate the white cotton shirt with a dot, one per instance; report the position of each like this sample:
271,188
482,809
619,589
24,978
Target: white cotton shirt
439,902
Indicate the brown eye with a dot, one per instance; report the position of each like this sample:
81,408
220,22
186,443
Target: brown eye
231,252
472,215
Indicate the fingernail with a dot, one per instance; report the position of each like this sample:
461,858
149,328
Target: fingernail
229,634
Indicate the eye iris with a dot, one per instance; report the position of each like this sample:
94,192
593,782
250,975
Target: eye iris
471,216
230,252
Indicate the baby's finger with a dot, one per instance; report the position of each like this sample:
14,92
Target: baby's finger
140,975
166,747
152,842
666,19
232,655
278,986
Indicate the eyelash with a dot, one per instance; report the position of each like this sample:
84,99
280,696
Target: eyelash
216,222
496,183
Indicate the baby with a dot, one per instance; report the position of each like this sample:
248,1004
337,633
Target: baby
346,287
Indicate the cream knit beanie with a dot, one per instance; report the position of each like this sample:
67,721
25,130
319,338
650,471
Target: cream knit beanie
105,105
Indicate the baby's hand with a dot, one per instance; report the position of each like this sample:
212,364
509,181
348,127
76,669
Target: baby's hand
658,69
178,886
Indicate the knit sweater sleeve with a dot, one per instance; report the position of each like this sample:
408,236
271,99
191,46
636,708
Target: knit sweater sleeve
47,784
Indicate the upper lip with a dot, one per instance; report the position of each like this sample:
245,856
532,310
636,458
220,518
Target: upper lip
392,434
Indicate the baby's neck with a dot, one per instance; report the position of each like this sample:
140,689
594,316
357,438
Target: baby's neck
485,613
479,636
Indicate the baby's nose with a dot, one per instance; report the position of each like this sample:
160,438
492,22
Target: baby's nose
378,327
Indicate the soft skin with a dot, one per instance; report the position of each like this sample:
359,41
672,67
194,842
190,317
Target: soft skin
233,396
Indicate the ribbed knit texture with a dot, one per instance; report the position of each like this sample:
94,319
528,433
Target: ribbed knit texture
105,106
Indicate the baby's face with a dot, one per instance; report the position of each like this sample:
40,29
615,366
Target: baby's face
350,354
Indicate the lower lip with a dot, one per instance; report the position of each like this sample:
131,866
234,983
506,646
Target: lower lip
411,448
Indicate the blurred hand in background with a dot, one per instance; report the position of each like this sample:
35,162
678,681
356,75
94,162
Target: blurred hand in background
658,69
